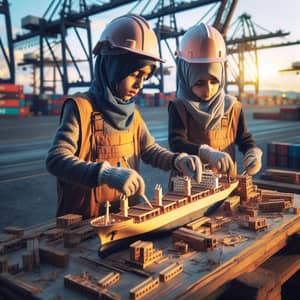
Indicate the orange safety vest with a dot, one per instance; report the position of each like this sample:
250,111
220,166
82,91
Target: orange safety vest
221,139
99,142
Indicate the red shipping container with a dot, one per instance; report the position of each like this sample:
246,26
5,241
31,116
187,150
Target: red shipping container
271,160
9,103
24,111
55,112
271,148
9,87
282,149
57,102
268,116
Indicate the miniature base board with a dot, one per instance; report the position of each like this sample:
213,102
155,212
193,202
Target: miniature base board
204,272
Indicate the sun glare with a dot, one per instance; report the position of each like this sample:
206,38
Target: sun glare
267,70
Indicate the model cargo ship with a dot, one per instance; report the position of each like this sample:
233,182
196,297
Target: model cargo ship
186,202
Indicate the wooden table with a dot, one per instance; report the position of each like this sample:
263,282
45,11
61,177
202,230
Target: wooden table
203,272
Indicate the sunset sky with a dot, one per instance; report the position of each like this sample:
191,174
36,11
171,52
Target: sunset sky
270,15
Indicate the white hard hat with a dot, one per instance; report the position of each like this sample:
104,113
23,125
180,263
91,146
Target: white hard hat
132,33
202,44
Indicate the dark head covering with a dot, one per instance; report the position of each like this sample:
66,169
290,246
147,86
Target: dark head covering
111,67
207,113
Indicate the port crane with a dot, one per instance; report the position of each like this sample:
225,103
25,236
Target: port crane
63,16
7,74
242,48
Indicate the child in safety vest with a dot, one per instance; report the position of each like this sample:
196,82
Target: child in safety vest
101,136
203,120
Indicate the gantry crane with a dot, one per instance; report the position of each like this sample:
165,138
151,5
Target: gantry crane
49,30
243,65
7,75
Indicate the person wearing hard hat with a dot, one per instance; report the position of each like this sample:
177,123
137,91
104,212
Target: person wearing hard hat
203,120
101,136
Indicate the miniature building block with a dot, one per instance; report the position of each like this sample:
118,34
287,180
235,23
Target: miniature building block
170,272
55,257
3,264
142,254
14,268
28,261
233,239
253,223
71,239
13,245
203,230
246,190
7,237
195,240
68,220
32,245
18,231
249,210
109,279
84,232
267,195
216,224
181,246
143,288
296,210
84,285
273,206
197,223
15,284
231,204
54,233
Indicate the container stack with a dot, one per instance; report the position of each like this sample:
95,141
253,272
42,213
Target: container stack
163,99
145,100
55,104
286,114
155,99
290,113
45,105
283,155
12,101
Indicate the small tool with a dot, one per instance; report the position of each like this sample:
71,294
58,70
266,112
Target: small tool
146,200
143,195
245,171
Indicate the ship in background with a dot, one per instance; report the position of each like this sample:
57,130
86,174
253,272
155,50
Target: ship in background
186,202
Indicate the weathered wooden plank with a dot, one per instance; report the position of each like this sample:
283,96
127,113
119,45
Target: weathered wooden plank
247,260
284,266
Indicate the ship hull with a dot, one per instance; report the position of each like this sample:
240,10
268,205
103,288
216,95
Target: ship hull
127,231
112,246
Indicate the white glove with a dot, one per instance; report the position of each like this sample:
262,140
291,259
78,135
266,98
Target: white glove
189,165
126,181
217,159
252,160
